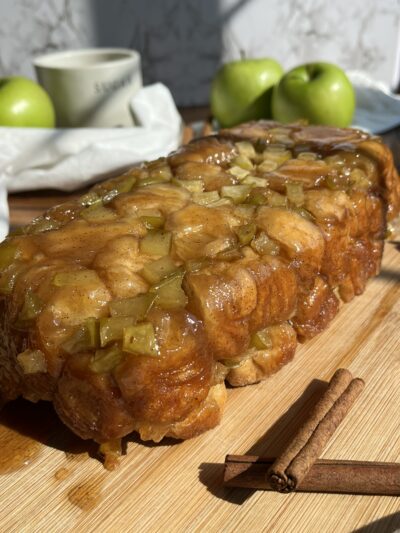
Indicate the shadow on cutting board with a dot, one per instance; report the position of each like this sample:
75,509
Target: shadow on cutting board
27,427
271,444
389,275
387,524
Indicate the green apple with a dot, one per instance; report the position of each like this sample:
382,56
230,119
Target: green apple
25,103
318,92
241,90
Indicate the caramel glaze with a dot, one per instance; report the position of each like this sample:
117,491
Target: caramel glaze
25,428
21,434
329,240
87,494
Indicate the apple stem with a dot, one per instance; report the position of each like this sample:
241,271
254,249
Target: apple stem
242,54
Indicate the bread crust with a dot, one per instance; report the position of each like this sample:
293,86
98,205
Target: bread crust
269,226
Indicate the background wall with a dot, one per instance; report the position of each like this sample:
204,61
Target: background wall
182,42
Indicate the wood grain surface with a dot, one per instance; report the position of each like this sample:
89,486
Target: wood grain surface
50,481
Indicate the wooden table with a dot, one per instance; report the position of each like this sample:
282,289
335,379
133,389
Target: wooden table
177,487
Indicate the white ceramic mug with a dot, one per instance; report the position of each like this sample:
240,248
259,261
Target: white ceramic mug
91,87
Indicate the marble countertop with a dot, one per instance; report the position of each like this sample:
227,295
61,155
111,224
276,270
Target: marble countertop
182,43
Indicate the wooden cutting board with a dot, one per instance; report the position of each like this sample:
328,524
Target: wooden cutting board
51,482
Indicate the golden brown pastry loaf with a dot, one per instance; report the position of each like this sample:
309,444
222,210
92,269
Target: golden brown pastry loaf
130,307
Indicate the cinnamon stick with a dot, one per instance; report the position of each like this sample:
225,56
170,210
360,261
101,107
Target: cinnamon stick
292,466
348,477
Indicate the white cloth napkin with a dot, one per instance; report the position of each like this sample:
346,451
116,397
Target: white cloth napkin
67,159
378,109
